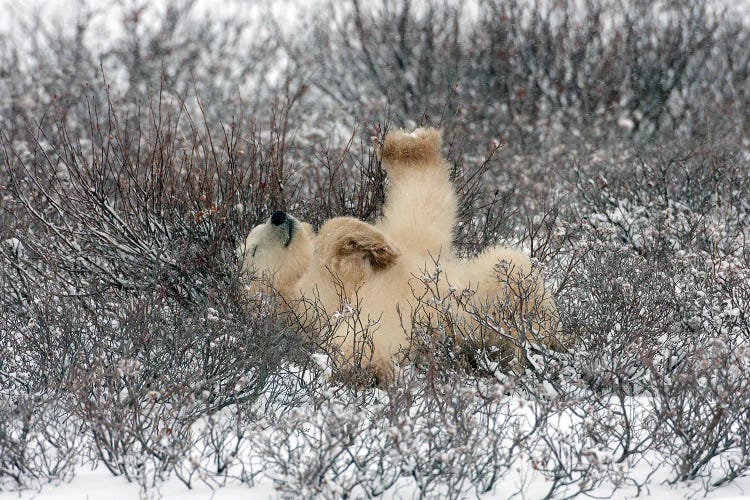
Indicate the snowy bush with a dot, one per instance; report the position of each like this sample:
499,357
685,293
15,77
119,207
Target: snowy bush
607,139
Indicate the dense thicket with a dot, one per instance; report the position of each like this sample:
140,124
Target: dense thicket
609,139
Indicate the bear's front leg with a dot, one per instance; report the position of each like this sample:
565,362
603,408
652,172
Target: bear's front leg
420,208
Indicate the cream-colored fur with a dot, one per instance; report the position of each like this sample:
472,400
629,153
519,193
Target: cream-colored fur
373,280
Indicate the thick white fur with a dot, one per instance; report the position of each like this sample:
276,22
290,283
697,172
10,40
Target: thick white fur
370,277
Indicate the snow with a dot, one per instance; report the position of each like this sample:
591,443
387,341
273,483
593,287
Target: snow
99,484
16,247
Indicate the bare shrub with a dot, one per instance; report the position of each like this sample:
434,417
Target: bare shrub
40,441
350,444
158,213
127,338
702,403
121,262
544,72
152,48
147,406
668,261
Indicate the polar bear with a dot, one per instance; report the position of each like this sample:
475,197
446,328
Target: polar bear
374,282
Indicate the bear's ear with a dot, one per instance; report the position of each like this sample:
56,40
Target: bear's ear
372,245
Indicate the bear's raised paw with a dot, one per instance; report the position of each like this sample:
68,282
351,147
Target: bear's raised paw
411,149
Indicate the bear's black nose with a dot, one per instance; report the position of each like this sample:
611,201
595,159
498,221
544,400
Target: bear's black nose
278,218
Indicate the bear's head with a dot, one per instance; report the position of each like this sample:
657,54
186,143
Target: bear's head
280,251
344,252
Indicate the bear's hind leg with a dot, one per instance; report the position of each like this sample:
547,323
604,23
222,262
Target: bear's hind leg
420,208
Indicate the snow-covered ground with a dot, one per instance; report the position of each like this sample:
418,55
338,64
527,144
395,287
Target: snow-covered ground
99,484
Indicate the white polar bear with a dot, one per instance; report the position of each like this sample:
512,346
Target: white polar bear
374,282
